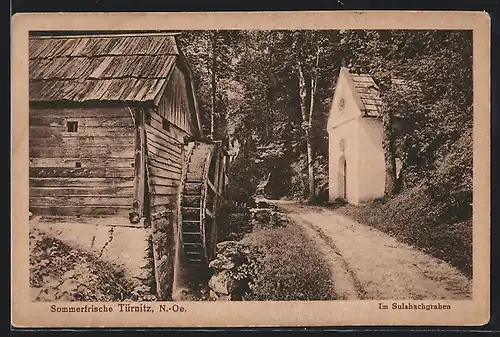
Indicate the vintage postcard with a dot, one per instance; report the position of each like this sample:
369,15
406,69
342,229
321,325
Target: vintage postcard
256,169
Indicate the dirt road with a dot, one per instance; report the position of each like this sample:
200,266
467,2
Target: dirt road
369,264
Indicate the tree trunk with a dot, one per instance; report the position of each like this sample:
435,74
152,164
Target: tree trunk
307,117
305,125
309,140
310,168
214,83
389,154
310,152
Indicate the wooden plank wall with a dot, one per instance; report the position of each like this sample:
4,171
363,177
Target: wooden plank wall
164,166
103,144
166,129
164,149
174,105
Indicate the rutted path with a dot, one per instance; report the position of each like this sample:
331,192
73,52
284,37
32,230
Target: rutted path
369,264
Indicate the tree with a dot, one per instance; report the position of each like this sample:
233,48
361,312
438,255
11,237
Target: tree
307,46
388,144
273,91
437,108
307,117
287,84
210,55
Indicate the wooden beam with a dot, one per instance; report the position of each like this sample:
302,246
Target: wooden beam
213,188
209,213
81,172
138,203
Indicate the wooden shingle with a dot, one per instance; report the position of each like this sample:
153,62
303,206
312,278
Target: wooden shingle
88,68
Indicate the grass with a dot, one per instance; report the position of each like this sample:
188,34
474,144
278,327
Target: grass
289,266
411,218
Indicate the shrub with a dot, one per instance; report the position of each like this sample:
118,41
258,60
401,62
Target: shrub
63,272
244,178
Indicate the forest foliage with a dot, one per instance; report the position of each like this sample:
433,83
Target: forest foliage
264,80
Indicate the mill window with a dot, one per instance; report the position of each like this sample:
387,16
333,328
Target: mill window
72,126
166,124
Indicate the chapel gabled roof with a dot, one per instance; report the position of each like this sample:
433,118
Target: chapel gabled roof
369,93
101,67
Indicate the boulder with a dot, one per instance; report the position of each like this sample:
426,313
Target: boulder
267,218
221,264
221,283
218,297
231,271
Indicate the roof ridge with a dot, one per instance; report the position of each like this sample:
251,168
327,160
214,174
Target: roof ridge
101,55
102,35
98,78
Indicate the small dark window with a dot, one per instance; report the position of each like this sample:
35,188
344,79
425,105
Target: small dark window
72,126
166,124
132,164
78,164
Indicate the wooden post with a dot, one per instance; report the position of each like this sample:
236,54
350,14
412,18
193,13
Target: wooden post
139,164
214,83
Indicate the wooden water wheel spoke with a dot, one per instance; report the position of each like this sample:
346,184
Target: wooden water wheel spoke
201,193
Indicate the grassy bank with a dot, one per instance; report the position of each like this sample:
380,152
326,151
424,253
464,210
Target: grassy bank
411,218
289,266
59,272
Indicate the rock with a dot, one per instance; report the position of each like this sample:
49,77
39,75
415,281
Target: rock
234,236
261,215
69,274
226,245
232,250
214,297
251,202
221,264
268,218
220,283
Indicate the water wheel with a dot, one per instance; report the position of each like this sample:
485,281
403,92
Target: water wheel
203,187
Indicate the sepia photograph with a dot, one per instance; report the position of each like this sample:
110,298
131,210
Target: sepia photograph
250,165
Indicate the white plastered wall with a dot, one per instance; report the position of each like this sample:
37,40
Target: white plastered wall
371,172
343,124
347,132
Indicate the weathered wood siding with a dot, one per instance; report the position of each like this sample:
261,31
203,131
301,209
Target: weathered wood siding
164,165
164,149
103,146
174,105
166,129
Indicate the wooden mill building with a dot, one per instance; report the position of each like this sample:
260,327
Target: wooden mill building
97,104
110,115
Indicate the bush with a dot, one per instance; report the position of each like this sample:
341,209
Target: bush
65,273
244,178
298,187
451,186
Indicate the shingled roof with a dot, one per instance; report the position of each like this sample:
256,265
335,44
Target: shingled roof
124,67
369,92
